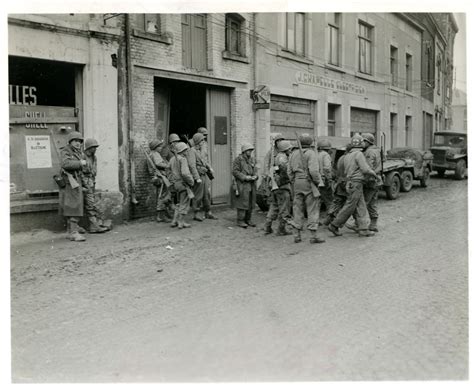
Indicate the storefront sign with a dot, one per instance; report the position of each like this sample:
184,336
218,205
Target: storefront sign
260,97
36,116
332,84
22,95
38,152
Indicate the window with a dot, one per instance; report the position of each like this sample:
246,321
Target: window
334,39
438,75
408,72
332,119
151,23
233,34
194,44
394,65
365,48
393,129
295,32
408,128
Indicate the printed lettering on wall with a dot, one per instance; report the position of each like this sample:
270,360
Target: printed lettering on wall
38,152
22,95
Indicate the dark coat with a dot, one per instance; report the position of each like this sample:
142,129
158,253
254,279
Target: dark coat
243,167
71,201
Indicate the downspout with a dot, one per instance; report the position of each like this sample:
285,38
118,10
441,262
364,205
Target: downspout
255,62
131,146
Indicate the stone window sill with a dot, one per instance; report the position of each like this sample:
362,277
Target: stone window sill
235,57
291,56
333,67
162,38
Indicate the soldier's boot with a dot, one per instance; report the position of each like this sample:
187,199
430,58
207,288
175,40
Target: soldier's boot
210,215
181,223
268,227
248,219
169,212
241,219
315,239
352,226
107,223
373,225
282,229
335,230
174,222
297,235
197,216
327,221
161,217
366,233
94,227
73,233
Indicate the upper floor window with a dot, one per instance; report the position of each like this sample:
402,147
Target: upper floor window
151,23
438,74
409,72
295,32
234,42
365,48
334,38
394,65
194,40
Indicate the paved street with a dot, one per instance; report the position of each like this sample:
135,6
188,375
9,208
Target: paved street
219,303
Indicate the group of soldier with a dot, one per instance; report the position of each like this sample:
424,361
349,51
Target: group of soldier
302,178
298,182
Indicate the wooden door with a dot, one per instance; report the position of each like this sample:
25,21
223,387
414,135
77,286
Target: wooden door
219,143
194,41
162,111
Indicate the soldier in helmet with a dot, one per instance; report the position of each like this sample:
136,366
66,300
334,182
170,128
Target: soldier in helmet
204,148
182,182
268,158
280,198
325,169
93,212
303,170
164,204
371,184
355,171
71,198
245,174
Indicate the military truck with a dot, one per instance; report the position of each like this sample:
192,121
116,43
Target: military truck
450,153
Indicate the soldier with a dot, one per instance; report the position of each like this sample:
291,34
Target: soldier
204,169
267,160
325,169
204,146
159,171
196,167
182,182
71,198
303,170
280,198
245,174
355,168
89,172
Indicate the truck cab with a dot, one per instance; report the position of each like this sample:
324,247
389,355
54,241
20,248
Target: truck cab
450,153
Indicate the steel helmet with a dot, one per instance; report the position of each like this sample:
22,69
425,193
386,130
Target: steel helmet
284,145
357,141
246,147
90,142
202,130
277,137
74,135
306,140
155,143
180,147
173,138
368,137
198,138
324,144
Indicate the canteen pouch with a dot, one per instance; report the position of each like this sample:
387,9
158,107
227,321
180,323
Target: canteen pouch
59,180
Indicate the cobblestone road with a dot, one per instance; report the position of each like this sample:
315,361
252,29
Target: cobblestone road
228,304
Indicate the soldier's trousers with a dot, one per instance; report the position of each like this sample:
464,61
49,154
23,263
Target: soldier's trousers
327,196
371,196
280,200
305,201
163,200
184,203
198,190
355,204
91,206
206,199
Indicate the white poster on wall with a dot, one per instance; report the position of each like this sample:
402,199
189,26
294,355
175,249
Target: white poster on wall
38,151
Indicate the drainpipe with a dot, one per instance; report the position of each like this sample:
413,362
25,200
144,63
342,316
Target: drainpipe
131,144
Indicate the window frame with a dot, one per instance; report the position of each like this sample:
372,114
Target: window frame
152,18
367,42
294,48
408,129
332,121
394,65
236,20
334,26
408,72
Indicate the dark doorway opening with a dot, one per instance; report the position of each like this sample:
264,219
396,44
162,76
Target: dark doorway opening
187,107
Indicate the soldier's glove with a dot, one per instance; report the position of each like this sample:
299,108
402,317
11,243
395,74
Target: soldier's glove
199,181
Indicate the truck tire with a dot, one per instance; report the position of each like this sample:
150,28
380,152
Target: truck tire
440,172
460,171
392,189
424,181
406,182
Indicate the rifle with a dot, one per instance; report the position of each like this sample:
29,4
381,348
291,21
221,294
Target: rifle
272,170
314,188
382,155
151,164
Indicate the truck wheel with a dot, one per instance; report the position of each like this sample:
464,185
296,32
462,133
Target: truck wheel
406,181
392,189
426,178
440,172
460,171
